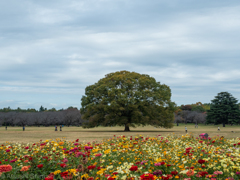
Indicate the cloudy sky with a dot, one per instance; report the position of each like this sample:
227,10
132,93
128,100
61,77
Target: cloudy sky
50,50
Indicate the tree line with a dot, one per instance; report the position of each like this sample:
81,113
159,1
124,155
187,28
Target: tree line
41,109
67,117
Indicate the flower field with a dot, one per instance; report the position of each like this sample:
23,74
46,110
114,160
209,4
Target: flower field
127,158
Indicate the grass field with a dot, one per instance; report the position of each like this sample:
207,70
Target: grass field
34,134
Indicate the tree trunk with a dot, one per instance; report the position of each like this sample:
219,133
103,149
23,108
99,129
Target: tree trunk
126,127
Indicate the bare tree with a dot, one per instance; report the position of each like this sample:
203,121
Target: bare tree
22,119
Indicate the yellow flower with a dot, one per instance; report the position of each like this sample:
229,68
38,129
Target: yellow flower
56,172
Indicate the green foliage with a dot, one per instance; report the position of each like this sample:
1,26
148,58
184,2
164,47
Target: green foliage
199,107
128,99
224,109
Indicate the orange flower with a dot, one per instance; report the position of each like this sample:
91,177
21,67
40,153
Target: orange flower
25,168
190,173
61,143
26,161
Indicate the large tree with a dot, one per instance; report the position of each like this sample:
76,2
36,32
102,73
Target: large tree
128,99
224,109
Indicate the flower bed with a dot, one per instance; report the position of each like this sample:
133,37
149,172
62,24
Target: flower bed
130,158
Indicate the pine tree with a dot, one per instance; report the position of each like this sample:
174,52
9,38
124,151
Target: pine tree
224,109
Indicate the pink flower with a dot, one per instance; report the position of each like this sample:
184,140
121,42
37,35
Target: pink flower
65,160
88,147
79,154
218,172
8,150
99,154
157,164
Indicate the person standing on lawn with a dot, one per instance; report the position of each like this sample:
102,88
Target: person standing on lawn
186,129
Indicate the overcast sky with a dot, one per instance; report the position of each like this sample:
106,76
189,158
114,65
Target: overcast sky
50,50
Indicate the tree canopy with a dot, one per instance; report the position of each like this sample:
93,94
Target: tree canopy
128,99
224,109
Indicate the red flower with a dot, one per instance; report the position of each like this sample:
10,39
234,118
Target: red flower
133,168
162,163
147,176
77,140
91,167
202,173
169,176
174,172
201,161
49,178
91,178
110,178
0,162
63,165
114,173
40,165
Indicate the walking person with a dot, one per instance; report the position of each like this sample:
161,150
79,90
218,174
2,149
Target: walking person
197,125
60,127
6,128
55,128
23,128
186,129
218,128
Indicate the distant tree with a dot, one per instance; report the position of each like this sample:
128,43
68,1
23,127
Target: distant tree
22,119
200,118
71,116
52,110
128,99
224,109
41,109
186,107
198,108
